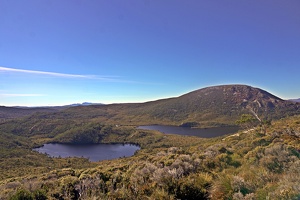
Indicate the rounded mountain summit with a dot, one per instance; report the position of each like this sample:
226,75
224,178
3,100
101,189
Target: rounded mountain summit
211,106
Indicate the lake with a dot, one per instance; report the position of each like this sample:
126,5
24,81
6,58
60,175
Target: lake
94,152
199,132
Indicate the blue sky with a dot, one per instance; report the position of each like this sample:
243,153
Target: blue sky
70,51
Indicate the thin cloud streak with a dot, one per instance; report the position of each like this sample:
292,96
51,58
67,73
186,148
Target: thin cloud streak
63,75
114,79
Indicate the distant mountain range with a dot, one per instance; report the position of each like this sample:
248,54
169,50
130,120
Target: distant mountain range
83,104
295,100
211,106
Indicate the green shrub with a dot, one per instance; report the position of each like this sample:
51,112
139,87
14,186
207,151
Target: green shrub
22,195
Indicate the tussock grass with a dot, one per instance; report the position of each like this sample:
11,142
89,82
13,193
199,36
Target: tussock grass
252,164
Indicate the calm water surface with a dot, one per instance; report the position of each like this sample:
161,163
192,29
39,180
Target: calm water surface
94,152
199,132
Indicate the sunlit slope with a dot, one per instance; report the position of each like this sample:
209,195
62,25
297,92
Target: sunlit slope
252,164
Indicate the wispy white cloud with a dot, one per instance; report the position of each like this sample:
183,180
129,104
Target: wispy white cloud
62,75
80,76
21,95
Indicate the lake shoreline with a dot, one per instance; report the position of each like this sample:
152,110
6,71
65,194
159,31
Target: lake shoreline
94,152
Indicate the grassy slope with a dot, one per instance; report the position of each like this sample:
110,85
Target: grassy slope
249,165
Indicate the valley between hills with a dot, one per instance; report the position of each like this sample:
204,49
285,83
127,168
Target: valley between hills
261,161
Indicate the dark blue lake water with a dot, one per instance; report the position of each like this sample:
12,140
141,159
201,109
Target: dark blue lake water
94,152
199,132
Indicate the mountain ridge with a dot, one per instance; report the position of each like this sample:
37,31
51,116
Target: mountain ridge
210,106
82,104
295,100
229,162
226,100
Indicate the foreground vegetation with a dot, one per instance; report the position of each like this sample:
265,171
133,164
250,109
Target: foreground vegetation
260,163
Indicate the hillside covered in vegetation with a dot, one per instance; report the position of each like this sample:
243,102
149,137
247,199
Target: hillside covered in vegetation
212,106
260,163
